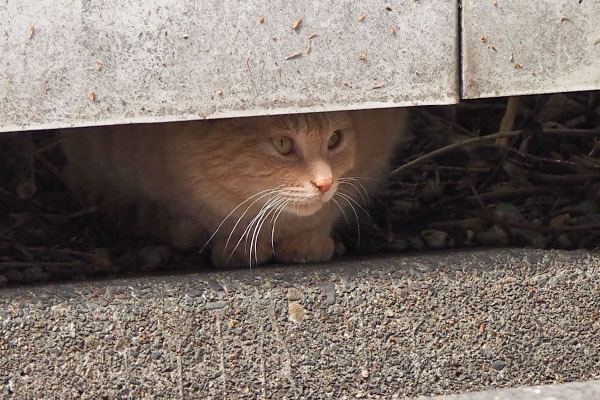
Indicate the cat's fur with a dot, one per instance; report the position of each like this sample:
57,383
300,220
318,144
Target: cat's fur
195,181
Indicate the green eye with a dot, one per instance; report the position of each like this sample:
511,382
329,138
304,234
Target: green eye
334,139
284,145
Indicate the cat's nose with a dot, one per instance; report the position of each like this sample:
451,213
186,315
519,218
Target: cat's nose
323,184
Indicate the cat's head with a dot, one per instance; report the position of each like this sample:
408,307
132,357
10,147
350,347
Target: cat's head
291,160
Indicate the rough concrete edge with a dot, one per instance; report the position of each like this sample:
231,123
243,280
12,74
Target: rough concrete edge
516,92
228,114
565,391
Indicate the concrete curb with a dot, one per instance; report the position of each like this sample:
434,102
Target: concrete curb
387,327
568,391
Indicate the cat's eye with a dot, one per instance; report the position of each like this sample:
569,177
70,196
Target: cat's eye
284,145
334,139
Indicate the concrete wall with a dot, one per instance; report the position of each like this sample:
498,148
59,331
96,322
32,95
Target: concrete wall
92,62
515,47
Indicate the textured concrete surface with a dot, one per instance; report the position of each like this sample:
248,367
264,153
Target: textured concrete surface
179,59
385,327
514,47
568,391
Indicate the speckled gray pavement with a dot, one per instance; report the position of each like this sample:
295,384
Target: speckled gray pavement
387,327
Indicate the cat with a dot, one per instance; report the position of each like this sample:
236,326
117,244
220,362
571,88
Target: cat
255,189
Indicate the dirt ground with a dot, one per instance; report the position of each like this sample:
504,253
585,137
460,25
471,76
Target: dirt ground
497,172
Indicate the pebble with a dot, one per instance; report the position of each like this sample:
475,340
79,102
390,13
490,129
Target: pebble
435,239
495,236
155,255
560,221
14,275
498,365
214,285
364,373
397,245
294,294
417,244
34,274
295,311
564,241
329,291
215,305
195,292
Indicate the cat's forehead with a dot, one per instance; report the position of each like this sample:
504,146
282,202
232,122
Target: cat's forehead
302,124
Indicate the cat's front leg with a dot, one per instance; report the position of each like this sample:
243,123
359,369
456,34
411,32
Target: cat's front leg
314,245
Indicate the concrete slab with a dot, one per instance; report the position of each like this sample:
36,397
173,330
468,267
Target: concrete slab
384,327
515,47
568,391
76,63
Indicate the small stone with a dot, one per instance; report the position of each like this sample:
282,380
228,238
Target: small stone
564,242
155,255
495,236
329,291
435,239
294,294
364,373
90,342
417,244
195,292
13,275
295,311
214,285
508,212
156,355
498,365
340,249
35,274
215,305
560,221
397,245
56,351
389,312
536,239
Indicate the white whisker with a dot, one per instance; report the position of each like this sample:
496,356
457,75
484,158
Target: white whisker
360,190
347,199
270,192
254,242
277,214
230,213
341,209
345,194
246,233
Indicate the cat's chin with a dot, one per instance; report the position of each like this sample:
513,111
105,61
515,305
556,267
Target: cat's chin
305,210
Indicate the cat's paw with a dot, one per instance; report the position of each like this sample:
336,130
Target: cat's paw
308,247
240,257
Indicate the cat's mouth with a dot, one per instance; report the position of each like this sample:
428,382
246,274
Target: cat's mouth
306,207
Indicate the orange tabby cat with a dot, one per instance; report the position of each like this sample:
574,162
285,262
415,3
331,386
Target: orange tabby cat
256,189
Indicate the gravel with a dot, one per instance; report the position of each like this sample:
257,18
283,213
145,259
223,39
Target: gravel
440,323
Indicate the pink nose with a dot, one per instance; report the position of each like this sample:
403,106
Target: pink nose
323,184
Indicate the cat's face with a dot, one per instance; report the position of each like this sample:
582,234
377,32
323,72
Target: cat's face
292,162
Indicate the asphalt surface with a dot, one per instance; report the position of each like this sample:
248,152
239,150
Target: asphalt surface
387,327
